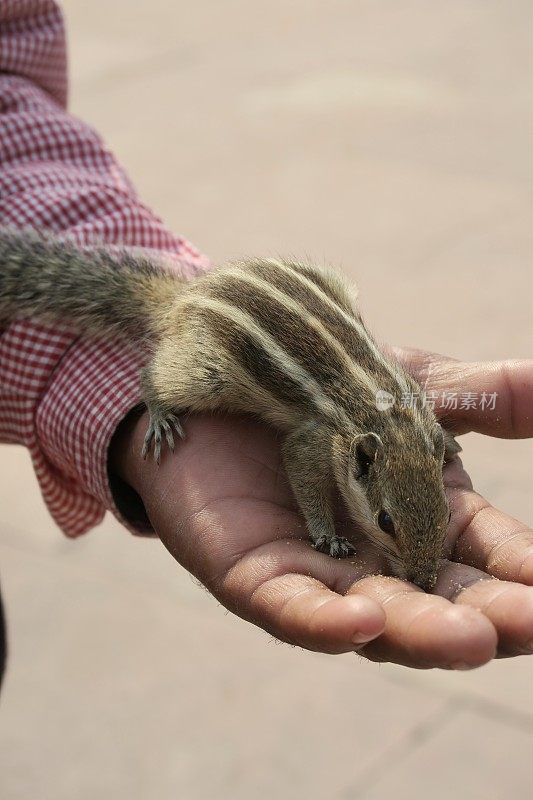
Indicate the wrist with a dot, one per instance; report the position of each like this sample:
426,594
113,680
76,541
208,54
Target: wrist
123,452
130,476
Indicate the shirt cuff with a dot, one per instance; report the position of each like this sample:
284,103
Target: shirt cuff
93,387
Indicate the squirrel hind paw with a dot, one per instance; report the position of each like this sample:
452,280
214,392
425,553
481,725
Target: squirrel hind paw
161,425
335,546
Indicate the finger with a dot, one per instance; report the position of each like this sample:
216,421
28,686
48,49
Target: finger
509,606
290,590
481,536
425,630
501,401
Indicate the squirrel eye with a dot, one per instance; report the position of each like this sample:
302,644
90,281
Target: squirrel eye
385,523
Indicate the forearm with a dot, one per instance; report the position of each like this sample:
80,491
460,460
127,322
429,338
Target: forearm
63,396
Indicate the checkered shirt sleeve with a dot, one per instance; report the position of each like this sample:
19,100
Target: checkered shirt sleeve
61,395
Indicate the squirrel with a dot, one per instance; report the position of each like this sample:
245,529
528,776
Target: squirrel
278,339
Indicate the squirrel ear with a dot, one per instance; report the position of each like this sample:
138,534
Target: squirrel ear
365,449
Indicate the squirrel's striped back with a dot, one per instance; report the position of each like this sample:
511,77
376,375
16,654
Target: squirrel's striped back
291,330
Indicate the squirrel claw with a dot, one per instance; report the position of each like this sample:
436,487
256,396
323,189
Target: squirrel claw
158,426
335,546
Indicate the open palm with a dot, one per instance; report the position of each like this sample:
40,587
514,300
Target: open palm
222,506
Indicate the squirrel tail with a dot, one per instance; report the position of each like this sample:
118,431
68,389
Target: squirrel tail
95,290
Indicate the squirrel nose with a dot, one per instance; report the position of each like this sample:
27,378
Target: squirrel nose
425,581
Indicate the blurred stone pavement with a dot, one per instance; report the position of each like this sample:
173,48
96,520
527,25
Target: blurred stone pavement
394,140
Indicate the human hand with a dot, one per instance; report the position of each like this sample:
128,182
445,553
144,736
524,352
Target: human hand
223,509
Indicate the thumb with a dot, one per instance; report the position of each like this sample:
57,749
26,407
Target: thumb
490,397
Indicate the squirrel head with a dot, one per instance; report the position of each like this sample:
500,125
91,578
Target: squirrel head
391,482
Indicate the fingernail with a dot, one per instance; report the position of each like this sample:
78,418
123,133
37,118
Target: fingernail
461,665
363,638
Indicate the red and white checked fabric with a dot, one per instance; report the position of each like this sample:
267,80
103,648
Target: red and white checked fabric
62,396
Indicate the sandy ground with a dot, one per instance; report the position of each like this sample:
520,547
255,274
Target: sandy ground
393,139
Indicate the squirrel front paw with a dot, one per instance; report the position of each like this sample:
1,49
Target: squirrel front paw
161,424
335,546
